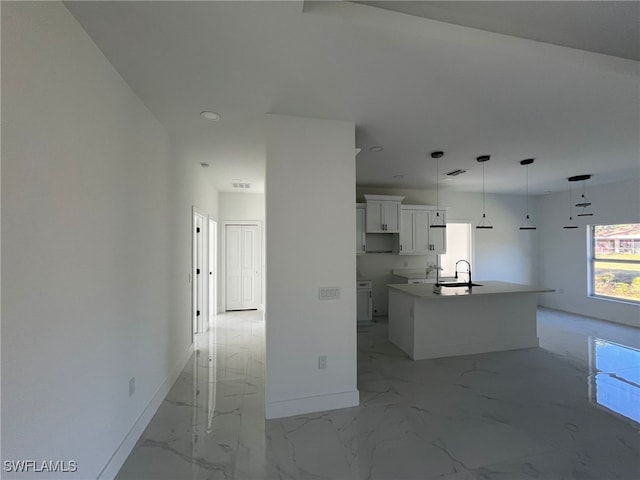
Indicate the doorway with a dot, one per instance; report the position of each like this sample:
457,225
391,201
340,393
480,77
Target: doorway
243,267
198,268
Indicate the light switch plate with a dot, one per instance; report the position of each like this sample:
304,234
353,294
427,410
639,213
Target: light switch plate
329,293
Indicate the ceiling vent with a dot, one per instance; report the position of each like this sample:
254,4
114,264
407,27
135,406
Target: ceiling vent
455,173
242,185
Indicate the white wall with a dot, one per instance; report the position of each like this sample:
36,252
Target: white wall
563,253
96,222
504,253
310,187
241,206
188,187
238,207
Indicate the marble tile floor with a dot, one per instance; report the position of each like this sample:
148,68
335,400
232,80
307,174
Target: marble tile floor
539,413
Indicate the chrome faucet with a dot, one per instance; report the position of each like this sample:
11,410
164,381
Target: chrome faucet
437,268
468,272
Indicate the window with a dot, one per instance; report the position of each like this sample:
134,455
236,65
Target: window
458,247
615,261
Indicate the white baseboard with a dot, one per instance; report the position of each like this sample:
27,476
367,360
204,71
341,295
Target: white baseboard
441,351
118,458
319,403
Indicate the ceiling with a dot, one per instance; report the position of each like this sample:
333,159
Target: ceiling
611,28
411,84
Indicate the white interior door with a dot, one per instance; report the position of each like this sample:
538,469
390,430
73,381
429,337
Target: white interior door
198,273
243,267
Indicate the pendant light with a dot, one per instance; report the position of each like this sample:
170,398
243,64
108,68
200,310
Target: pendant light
484,222
583,202
570,224
438,220
528,224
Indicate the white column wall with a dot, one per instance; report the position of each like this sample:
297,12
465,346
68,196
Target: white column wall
310,188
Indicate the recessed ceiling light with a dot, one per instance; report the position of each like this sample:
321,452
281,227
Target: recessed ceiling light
213,116
375,148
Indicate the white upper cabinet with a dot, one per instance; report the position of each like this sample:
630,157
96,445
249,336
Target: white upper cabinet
416,237
361,236
437,236
383,213
421,231
406,242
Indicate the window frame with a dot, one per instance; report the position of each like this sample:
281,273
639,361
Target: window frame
592,260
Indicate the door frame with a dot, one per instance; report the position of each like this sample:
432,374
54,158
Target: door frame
199,326
212,266
222,265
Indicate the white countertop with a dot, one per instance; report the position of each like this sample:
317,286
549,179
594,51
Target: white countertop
413,276
413,273
488,287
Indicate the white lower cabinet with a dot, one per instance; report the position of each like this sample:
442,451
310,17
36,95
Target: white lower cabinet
364,302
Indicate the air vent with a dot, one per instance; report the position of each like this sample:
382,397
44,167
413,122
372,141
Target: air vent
455,173
242,185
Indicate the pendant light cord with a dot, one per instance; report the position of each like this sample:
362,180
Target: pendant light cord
527,173
483,203
437,185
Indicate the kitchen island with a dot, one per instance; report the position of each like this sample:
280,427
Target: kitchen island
490,317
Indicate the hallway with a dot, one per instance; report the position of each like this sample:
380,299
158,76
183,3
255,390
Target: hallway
211,424
508,415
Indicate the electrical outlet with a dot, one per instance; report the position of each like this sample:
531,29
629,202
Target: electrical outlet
322,362
132,386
